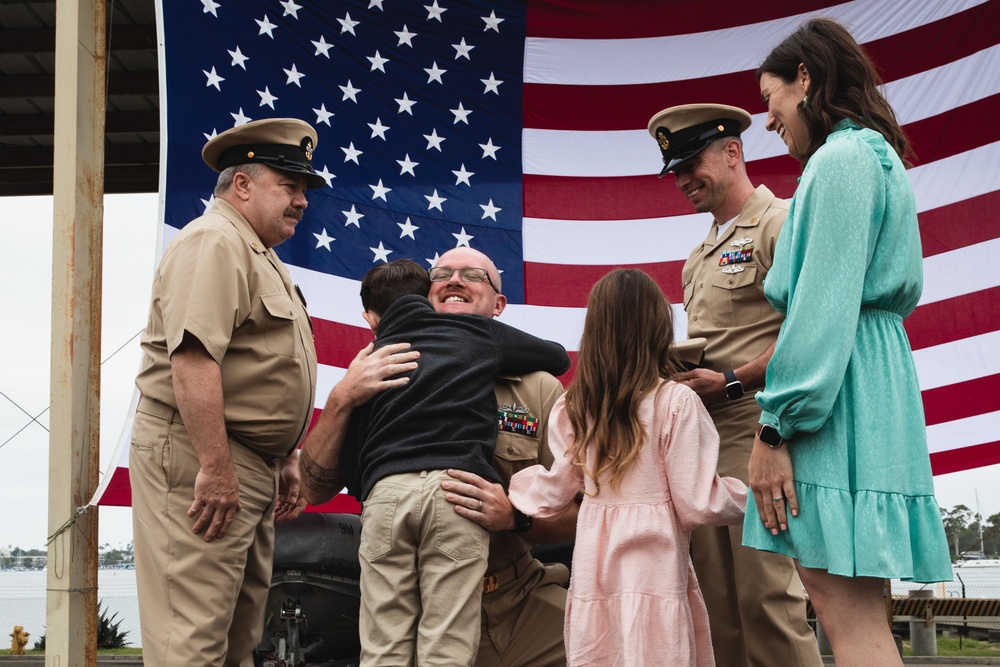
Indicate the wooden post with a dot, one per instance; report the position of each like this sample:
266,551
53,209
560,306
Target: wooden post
74,445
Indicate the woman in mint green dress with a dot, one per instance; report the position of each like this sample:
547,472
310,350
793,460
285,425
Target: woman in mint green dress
840,471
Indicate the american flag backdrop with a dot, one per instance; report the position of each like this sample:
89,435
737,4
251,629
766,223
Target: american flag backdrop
519,129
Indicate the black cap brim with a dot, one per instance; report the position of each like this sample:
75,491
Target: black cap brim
282,157
694,140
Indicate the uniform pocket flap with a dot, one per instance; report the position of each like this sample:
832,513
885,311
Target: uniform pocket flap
279,305
735,276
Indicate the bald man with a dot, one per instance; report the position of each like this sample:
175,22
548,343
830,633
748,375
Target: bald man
524,600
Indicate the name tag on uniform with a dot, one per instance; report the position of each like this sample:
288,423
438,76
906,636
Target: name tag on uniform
516,419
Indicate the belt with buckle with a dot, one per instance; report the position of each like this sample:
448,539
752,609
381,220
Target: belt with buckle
505,575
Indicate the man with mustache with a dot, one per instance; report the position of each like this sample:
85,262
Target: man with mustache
228,382
755,602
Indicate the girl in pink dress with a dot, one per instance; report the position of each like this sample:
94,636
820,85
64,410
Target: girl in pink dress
644,451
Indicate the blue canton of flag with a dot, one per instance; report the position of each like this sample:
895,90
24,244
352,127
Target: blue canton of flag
417,108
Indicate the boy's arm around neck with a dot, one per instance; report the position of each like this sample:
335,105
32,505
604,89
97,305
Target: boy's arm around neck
522,352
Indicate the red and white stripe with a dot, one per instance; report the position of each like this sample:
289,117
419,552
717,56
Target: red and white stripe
595,72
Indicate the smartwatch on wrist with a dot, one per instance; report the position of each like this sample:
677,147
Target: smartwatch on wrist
770,436
522,522
734,388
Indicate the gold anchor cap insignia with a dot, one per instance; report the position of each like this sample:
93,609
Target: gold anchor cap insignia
661,138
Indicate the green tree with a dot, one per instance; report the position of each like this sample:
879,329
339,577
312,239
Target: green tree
992,535
957,527
109,556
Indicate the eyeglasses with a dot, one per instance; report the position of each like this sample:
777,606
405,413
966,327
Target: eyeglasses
468,274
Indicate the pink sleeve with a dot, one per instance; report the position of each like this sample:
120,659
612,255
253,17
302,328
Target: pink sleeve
547,493
699,495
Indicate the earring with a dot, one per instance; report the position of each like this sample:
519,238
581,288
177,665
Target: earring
805,98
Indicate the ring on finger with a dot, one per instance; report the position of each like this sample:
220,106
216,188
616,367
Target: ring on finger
777,499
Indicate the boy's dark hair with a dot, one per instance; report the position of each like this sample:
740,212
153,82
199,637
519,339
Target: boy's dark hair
387,282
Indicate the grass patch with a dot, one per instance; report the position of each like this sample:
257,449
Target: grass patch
949,646
110,651
119,651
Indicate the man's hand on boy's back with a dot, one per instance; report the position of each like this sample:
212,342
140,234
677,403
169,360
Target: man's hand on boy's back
480,500
367,375
369,372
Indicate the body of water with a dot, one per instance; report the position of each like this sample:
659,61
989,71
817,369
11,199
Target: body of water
22,601
22,596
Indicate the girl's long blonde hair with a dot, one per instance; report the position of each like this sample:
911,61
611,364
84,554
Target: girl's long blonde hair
624,353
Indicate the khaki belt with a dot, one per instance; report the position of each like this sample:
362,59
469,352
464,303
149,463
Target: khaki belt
161,410
505,575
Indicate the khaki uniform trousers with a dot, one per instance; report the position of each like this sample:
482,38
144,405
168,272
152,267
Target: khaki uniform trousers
200,603
524,615
756,607
422,567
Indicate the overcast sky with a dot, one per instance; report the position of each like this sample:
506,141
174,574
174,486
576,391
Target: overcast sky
129,249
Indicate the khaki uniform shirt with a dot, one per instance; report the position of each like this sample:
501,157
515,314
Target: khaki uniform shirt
521,442
724,300
724,285
217,281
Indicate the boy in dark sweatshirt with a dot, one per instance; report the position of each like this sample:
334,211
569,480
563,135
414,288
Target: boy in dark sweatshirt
422,564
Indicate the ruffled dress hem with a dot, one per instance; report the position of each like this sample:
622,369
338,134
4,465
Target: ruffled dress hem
861,534
628,642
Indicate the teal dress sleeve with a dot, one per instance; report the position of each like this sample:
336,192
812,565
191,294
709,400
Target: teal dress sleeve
817,281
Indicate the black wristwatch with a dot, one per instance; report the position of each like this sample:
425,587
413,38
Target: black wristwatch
522,522
734,388
770,436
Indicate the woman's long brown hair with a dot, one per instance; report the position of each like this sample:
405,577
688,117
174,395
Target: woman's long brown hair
624,353
843,83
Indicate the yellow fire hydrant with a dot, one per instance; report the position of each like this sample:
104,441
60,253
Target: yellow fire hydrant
18,640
